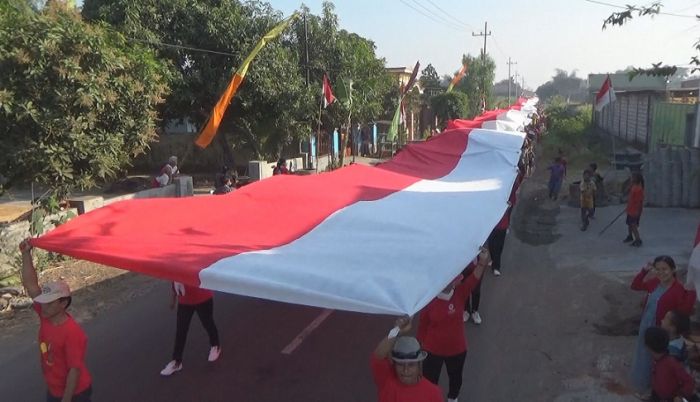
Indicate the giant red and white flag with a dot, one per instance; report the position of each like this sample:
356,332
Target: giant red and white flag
382,239
605,95
327,92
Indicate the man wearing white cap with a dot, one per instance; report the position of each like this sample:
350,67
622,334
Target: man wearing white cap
62,343
396,368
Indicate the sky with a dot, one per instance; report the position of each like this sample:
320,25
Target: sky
540,35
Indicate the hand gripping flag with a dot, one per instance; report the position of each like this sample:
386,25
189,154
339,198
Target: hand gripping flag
209,130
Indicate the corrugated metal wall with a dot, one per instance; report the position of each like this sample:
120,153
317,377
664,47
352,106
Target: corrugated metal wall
669,123
628,118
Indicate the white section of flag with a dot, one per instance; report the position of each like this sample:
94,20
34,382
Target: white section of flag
605,95
392,255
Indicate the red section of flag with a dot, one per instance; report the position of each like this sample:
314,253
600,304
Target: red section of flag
605,95
327,92
175,238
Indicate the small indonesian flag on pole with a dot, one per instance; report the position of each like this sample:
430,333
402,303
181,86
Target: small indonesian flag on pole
327,92
605,95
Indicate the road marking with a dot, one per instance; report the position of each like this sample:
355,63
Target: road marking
303,334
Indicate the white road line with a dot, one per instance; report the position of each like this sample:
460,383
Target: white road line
303,334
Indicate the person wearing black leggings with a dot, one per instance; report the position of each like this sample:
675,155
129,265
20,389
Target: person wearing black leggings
441,330
192,300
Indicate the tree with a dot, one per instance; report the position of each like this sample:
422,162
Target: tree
566,85
657,69
77,101
482,71
451,105
271,108
353,68
429,78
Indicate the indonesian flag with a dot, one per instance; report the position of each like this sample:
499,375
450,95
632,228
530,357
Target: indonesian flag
605,95
419,217
327,92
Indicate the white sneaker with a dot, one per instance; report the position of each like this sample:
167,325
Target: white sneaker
496,272
465,316
476,318
452,400
214,353
172,367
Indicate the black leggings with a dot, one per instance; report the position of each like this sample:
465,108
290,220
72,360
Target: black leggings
432,366
472,303
205,312
496,241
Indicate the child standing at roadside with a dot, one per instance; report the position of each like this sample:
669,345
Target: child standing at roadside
635,204
556,177
587,189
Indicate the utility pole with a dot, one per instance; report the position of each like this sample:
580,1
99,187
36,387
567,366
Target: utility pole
510,79
306,50
486,33
515,79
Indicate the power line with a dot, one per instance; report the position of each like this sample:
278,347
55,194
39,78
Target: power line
442,19
430,16
625,8
498,47
451,16
154,43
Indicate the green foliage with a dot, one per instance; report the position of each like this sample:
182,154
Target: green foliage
622,17
565,85
429,78
273,107
568,126
44,208
77,102
451,105
481,74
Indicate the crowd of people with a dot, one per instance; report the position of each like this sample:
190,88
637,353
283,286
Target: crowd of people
407,368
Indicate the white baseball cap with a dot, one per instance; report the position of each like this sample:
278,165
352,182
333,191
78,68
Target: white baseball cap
53,291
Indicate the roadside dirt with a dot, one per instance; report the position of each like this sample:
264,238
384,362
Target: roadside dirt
95,288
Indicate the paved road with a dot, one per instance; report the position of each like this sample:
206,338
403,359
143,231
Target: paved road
540,341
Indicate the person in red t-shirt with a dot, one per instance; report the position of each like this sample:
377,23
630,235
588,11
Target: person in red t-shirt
441,330
669,380
190,299
635,204
62,343
396,368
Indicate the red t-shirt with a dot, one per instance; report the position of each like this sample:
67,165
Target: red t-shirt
390,389
191,295
62,348
635,202
441,327
669,379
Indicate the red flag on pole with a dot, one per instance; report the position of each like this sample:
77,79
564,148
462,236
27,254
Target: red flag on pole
606,94
327,92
